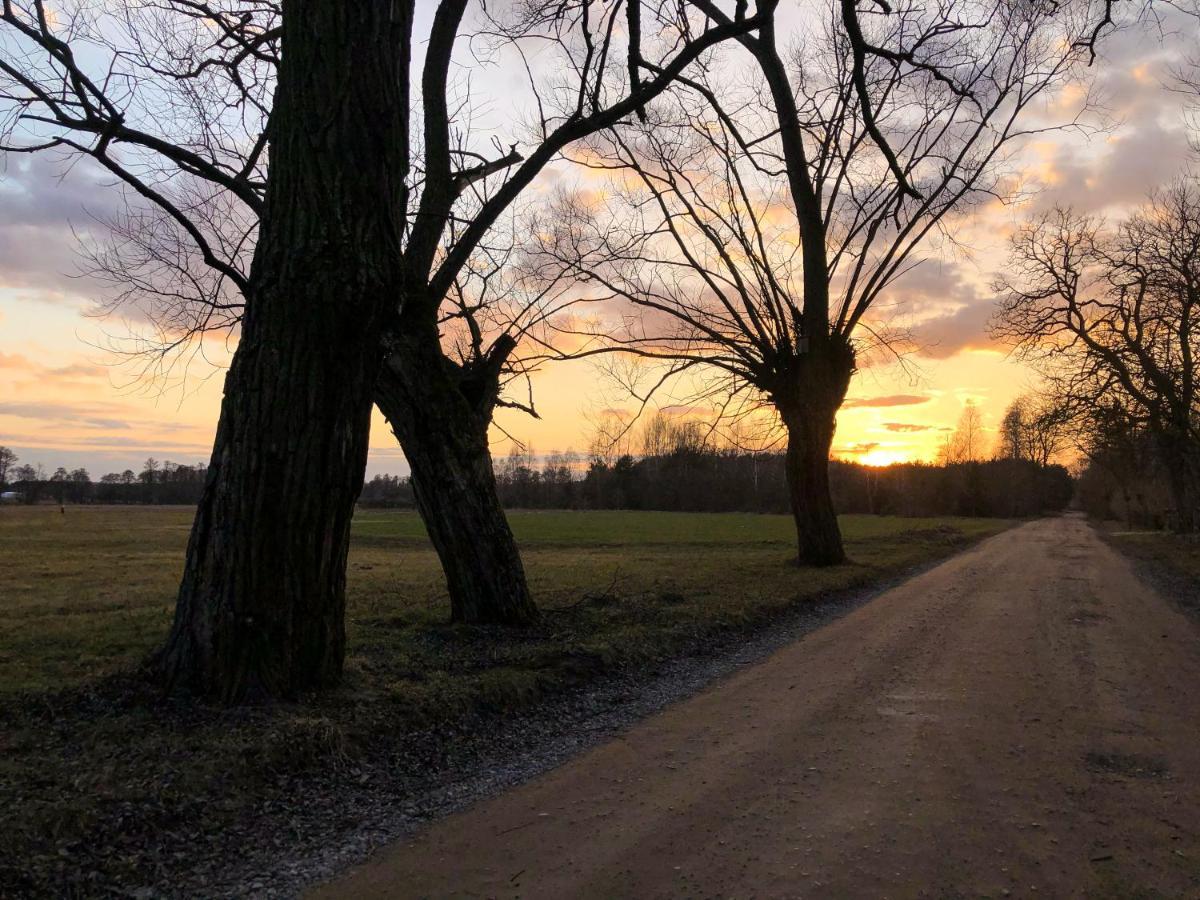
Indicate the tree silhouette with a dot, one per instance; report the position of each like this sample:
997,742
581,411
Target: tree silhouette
1110,315
754,231
445,188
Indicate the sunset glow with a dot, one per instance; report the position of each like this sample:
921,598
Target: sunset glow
66,399
883,457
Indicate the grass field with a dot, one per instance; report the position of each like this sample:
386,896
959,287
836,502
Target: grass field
90,754
90,591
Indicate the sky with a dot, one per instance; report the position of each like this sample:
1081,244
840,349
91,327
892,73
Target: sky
69,396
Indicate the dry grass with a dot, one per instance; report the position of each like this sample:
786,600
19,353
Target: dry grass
1172,562
89,593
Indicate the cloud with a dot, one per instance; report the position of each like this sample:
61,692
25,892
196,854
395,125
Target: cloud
16,361
140,444
947,335
1148,143
683,411
77,370
950,313
889,400
860,448
906,427
76,415
1145,155
615,412
47,375
48,205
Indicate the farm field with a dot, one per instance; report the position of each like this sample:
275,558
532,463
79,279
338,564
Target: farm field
89,750
89,592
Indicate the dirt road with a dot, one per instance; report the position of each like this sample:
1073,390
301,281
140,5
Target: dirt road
1022,720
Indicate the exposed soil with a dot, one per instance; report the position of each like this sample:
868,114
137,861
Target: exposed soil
1021,719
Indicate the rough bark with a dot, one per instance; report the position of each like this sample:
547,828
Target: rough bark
440,412
816,387
818,536
260,607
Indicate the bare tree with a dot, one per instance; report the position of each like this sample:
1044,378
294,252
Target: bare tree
1035,428
148,90
1110,315
757,229
25,473
8,460
443,378
965,443
357,238
1011,440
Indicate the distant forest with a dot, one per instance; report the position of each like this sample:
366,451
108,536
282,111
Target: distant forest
678,468
699,479
675,470
694,480
157,483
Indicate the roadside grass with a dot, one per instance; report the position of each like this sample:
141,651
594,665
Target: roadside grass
1171,560
1178,553
102,780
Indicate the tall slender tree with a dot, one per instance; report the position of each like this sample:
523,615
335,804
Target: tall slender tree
8,461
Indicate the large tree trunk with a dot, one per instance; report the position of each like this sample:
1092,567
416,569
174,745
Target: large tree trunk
808,406
819,538
440,413
261,604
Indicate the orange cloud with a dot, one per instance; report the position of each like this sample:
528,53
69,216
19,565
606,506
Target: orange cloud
889,400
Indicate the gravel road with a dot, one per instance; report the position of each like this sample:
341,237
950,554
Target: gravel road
1020,720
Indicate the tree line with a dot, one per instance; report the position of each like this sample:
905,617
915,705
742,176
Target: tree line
679,475
1108,311
711,481
678,468
165,483
292,172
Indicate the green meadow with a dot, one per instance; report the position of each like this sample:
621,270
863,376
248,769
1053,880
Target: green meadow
89,592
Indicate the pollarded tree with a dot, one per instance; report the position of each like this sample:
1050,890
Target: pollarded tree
440,394
357,234
755,230
1110,313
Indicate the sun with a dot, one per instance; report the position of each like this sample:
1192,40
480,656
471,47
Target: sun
881,456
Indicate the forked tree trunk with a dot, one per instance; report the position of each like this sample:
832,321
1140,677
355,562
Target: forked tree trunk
261,603
441,414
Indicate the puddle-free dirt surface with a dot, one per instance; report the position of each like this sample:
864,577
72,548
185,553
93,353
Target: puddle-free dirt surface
1022,720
